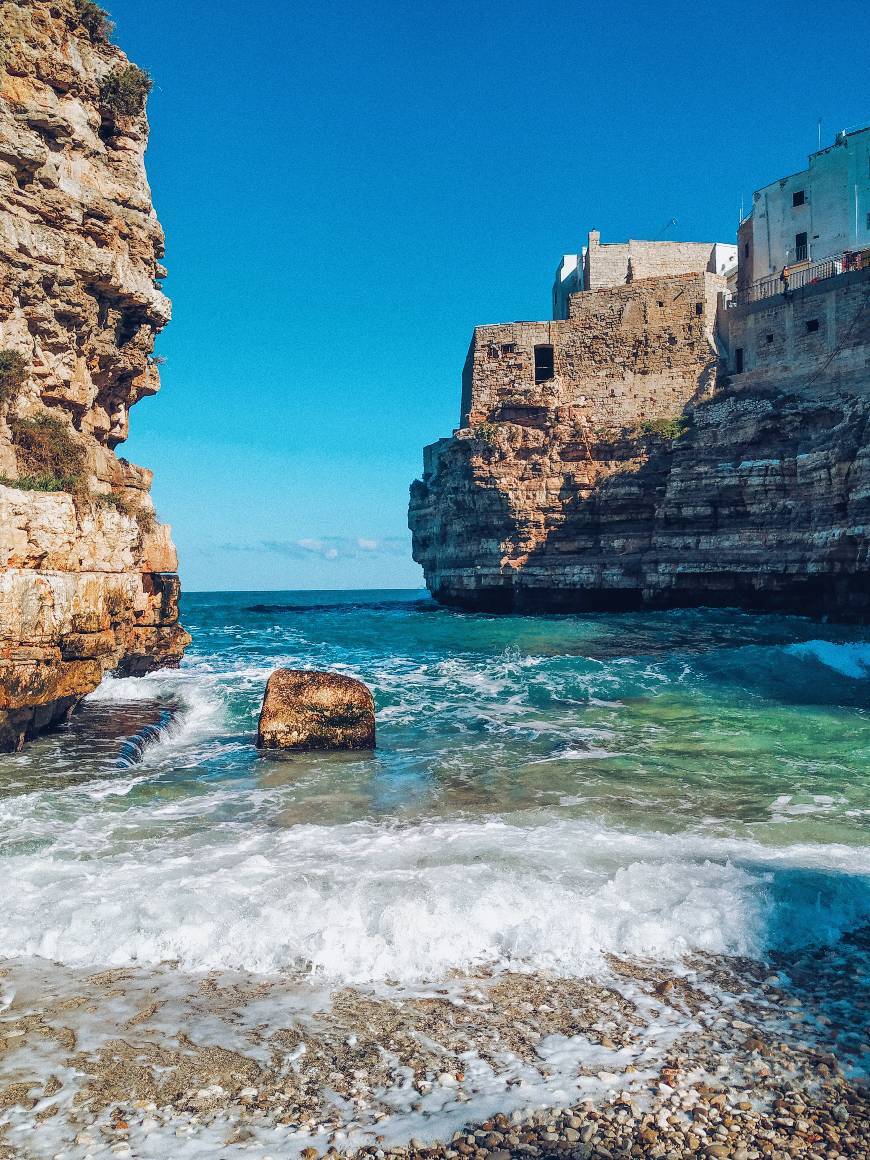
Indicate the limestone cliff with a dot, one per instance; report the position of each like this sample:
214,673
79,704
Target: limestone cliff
88,580
673,453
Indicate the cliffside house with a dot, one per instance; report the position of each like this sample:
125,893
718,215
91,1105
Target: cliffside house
814,223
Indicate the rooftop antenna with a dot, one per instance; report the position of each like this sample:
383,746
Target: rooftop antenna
668,225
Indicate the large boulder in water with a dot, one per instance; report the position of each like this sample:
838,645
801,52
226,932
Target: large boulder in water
313,710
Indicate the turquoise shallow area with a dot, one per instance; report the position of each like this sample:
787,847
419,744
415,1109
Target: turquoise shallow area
646,782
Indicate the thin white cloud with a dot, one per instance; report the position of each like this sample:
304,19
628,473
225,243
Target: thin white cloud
328,547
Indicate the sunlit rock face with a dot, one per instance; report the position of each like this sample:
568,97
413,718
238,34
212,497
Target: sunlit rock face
642,471
89,578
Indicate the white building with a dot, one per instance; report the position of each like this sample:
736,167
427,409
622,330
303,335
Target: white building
819,213
568,280
605,264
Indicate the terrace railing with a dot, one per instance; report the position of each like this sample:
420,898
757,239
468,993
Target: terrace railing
798,276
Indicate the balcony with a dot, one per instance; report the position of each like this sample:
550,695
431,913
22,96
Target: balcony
805,275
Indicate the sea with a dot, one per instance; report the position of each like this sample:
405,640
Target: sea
546,792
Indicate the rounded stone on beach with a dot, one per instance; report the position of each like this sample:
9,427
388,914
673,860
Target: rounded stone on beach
305,709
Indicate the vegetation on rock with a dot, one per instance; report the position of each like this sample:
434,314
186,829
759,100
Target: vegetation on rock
13,373
49,457
485,432
124,91
142,514
665,428
93,19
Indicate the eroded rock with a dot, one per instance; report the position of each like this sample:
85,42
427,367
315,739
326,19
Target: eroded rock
88,578
315,710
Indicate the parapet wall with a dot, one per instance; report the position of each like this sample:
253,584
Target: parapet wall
615,263
625,354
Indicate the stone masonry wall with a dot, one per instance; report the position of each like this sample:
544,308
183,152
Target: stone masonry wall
615,263
794,334
625,354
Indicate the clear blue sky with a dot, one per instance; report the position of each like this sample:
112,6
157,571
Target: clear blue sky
348,188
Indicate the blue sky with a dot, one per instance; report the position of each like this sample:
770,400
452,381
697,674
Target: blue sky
348,188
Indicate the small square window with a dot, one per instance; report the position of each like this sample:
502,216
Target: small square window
798,198
768,338
812,325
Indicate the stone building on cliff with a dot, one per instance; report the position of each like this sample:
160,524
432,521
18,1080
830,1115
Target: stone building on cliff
661,441
88,578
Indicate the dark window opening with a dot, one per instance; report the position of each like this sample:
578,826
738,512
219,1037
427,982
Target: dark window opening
543,364
768,338
508,348
746,249
800,247
812,325
798,198
738,361
699,308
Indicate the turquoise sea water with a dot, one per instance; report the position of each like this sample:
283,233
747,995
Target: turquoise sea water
545,790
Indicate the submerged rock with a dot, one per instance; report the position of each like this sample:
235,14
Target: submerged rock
303,709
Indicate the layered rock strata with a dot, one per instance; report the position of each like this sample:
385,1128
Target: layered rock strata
88,581
681,454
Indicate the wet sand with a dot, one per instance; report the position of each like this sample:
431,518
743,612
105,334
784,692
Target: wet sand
726,1058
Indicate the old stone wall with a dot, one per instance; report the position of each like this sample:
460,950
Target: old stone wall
794,334
615,263
624,355
87,575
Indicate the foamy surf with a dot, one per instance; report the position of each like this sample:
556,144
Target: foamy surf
364,903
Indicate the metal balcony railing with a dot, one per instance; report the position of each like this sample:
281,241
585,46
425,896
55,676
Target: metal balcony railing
797,277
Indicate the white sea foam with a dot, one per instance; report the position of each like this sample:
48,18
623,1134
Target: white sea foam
850,660
364,902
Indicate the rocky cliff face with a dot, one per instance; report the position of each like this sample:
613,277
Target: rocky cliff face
748,489
88,580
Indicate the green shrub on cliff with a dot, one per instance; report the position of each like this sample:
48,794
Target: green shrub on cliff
124,91
13,373
665,428
49,458
142,514
485,432
93,19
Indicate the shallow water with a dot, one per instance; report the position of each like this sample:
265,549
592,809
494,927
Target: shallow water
545,790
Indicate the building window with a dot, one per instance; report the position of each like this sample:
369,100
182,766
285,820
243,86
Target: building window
868,220
798,198
508,348
812,325
738,361
800,247
699,308
746,249
543,364
768,338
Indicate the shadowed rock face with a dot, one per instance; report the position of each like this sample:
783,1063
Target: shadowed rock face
89,579
754,492
311,710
